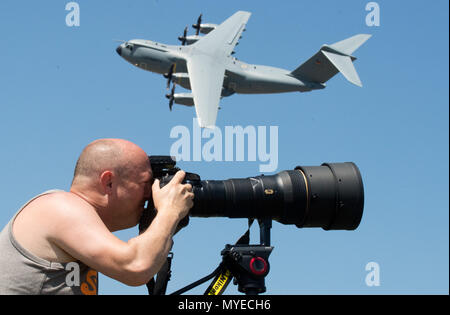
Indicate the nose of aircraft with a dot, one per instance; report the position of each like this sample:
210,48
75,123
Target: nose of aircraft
119,50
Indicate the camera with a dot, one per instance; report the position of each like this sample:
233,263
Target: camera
330,196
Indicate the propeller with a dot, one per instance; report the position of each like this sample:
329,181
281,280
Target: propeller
197,26
171,97
182,39
168,75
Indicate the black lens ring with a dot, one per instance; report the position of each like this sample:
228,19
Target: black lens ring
337,197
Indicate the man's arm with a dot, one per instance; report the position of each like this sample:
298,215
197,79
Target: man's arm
77,229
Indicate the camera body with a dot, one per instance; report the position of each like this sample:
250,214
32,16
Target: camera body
164,168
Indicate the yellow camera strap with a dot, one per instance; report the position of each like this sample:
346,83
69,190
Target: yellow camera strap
220,283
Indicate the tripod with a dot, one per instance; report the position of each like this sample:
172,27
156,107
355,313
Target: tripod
247,264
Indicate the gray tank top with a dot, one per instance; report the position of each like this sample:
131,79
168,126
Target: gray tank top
21,272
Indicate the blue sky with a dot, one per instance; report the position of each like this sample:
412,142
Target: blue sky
62,87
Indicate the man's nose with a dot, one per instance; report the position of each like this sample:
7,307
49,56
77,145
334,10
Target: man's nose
119,50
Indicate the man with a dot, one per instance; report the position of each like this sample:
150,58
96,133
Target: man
59,240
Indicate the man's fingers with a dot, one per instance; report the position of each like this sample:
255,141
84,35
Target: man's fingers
155,186
190,200
178,177
190,194
188,187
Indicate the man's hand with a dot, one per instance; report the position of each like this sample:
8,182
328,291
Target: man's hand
175,199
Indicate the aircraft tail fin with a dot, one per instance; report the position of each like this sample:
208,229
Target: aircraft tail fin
349,45
331,59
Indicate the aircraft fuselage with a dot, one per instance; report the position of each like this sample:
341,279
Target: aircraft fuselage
240,77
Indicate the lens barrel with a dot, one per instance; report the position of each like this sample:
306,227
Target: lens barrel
330,196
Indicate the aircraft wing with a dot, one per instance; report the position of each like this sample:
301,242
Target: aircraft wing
224,38
206,66
206,77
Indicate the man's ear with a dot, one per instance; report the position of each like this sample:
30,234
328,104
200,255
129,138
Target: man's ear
106,181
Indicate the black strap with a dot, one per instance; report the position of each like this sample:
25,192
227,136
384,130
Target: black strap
150,286
159,286
245,238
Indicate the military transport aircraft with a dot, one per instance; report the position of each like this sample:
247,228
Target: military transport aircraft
206,66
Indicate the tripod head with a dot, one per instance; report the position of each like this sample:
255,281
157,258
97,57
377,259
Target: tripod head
249,265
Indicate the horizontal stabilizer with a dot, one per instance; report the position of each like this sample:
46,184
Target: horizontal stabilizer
332,59
345,65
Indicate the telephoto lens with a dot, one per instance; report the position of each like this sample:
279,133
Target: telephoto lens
330,196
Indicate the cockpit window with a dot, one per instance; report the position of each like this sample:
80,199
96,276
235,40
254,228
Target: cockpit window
130,47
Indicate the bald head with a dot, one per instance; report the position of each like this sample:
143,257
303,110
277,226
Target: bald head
119,156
